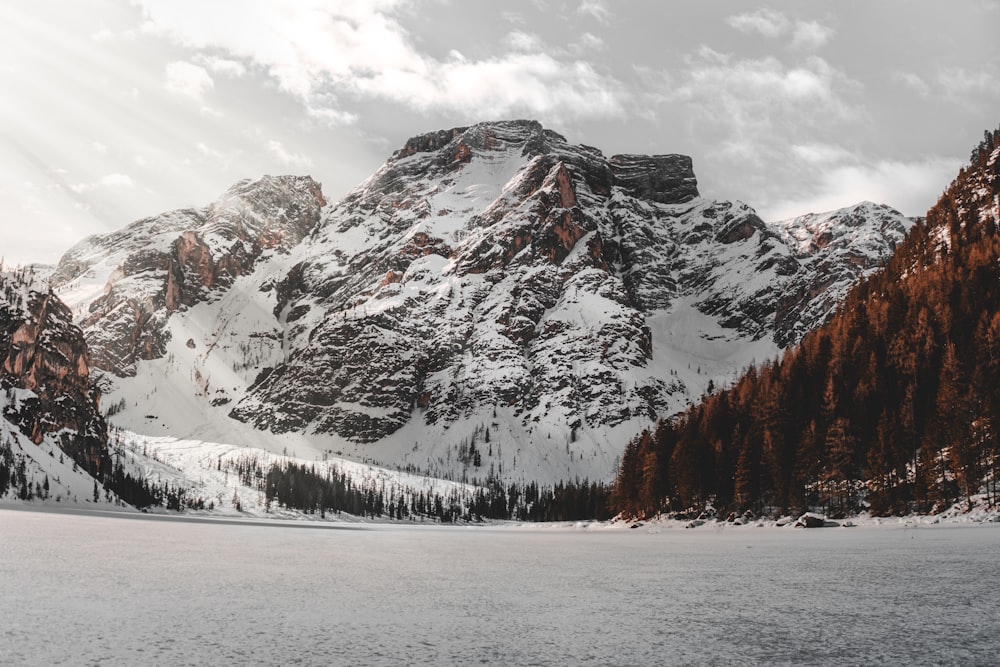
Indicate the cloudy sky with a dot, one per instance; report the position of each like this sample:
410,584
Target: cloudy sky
114,109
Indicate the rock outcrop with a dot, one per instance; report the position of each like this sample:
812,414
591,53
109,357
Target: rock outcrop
45,374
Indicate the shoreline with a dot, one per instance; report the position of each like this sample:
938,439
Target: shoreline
977,517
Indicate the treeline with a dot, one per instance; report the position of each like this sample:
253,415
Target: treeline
893,405
309,489
135,489
321,490
14,475
117,483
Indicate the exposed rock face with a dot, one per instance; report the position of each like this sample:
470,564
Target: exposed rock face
492,284
162,264
45,373
667,179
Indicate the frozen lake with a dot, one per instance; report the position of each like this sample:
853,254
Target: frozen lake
85,589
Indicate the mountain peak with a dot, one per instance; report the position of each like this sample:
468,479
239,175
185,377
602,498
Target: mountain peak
484,136
252,188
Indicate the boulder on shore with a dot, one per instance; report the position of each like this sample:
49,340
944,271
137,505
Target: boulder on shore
812,520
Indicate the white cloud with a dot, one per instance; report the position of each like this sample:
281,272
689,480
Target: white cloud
913,82
754,92
110,181
360,49
208,151
958,81
278,150
116,180
708,55
590,42
224,66
99,148
750,112
594,9
331,117
767,22
773,24
501,86
512,17
810,34
912,187
103,35
190,80
210,112
523,41
820,154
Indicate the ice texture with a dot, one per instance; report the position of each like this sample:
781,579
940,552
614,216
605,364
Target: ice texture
89,589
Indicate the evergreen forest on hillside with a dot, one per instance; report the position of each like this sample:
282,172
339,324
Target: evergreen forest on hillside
892,406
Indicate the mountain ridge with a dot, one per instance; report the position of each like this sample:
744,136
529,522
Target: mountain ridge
486,282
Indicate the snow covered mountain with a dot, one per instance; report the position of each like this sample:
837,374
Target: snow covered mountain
493,300
837,247
125,285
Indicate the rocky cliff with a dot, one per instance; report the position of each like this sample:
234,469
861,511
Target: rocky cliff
45,374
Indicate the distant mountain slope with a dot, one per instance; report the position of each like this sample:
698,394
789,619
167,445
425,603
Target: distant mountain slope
125,285
491,290
891,405
838,247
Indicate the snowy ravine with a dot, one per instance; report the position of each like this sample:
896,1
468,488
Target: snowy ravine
92,589
491,288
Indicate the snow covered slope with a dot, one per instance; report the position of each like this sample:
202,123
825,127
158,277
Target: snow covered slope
124,286
491,289
838,248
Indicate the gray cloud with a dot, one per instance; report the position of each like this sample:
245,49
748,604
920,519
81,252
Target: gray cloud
185,98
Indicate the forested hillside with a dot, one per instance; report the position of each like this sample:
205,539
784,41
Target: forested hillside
893,405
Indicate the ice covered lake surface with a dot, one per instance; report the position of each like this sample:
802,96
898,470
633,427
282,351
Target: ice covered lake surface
91,589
